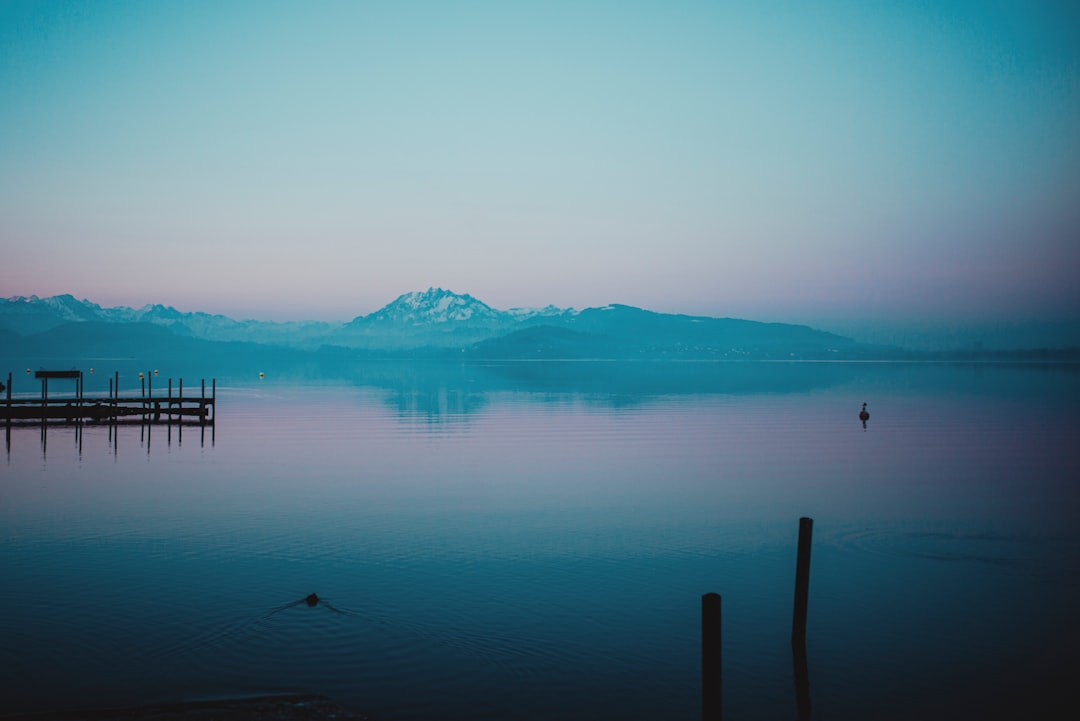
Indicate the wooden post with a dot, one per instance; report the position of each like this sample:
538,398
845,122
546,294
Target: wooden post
802,582
711,686
802,681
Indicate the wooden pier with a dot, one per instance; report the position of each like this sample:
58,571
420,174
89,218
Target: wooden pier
141,405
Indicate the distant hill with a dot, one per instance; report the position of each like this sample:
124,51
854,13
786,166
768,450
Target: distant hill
29,316
432,322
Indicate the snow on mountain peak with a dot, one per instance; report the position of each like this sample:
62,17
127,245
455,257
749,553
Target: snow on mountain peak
434,305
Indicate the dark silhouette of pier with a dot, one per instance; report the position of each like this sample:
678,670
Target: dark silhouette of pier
113,406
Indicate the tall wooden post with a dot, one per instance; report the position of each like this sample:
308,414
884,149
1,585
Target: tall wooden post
711,685
802,681
802,582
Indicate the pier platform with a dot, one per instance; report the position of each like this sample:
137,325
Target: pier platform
141,405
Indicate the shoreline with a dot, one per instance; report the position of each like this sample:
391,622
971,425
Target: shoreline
281,707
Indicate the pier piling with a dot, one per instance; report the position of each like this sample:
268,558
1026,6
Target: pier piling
802,582
711,681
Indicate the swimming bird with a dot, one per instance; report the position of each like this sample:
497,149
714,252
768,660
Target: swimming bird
312,599
863,415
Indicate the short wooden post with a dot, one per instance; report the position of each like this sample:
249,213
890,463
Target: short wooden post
802,582
711,686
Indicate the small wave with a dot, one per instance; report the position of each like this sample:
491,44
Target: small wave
1041,556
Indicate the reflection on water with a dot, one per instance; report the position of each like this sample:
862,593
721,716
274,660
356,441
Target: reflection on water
442,390
167,431
533,541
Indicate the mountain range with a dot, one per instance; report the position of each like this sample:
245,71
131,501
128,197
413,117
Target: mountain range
430,323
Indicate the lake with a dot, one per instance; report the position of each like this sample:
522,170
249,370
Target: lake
532,541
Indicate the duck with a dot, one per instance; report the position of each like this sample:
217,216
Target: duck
863,415
312,599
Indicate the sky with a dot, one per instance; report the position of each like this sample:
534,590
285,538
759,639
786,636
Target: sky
838,163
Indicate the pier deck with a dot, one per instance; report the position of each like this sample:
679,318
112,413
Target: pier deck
142,405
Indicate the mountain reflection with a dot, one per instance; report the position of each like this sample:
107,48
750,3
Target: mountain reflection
438,390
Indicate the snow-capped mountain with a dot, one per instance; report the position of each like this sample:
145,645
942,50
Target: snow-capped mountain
31,315
437,317
434,305
438,321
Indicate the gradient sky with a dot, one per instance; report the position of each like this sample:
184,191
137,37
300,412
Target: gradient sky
808,162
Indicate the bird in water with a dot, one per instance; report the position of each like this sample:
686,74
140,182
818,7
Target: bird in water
312,600
864,416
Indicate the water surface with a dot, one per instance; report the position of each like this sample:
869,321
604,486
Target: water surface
532,541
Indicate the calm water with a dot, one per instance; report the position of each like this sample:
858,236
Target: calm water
530,541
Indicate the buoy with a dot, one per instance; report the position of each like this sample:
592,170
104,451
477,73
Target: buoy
863,415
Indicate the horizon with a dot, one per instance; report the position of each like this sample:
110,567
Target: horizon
892,171
914,336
